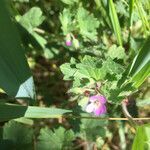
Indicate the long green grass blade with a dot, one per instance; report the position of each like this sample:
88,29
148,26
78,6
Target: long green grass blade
142,75
142,58
103,11
140,68
15,76
115,22
142,138
38,112
143,15
131,7
8,111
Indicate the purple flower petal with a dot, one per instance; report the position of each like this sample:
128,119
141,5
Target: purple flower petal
97,112
101,98
100,111
94,98
97,105
103,109
90,108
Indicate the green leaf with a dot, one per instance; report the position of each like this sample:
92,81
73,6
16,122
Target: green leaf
42,42
24,120
116,52
6,144
115,21
33,18
21,135
140,68
90,68
67,70
142,103
91,129
121,9
57,139
8,111
142,138
99,142
69,2
87,24
66,21
15,75
112,67
76,43
50,53
83,102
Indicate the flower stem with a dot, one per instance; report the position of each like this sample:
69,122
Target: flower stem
127,114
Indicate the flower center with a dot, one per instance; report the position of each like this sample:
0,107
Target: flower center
97,104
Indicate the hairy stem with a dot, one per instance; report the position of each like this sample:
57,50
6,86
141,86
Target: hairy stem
126,113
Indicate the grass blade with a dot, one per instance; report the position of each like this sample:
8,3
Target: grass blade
143,16
131,6
8,111
140,68
142,138
103,11
15,76
115,21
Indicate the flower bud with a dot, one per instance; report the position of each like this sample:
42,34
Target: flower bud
68,43
68,40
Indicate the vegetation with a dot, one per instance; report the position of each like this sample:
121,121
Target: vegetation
74,74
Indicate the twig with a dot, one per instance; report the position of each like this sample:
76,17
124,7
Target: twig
99,118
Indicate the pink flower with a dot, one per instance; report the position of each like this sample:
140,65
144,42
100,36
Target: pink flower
96,105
